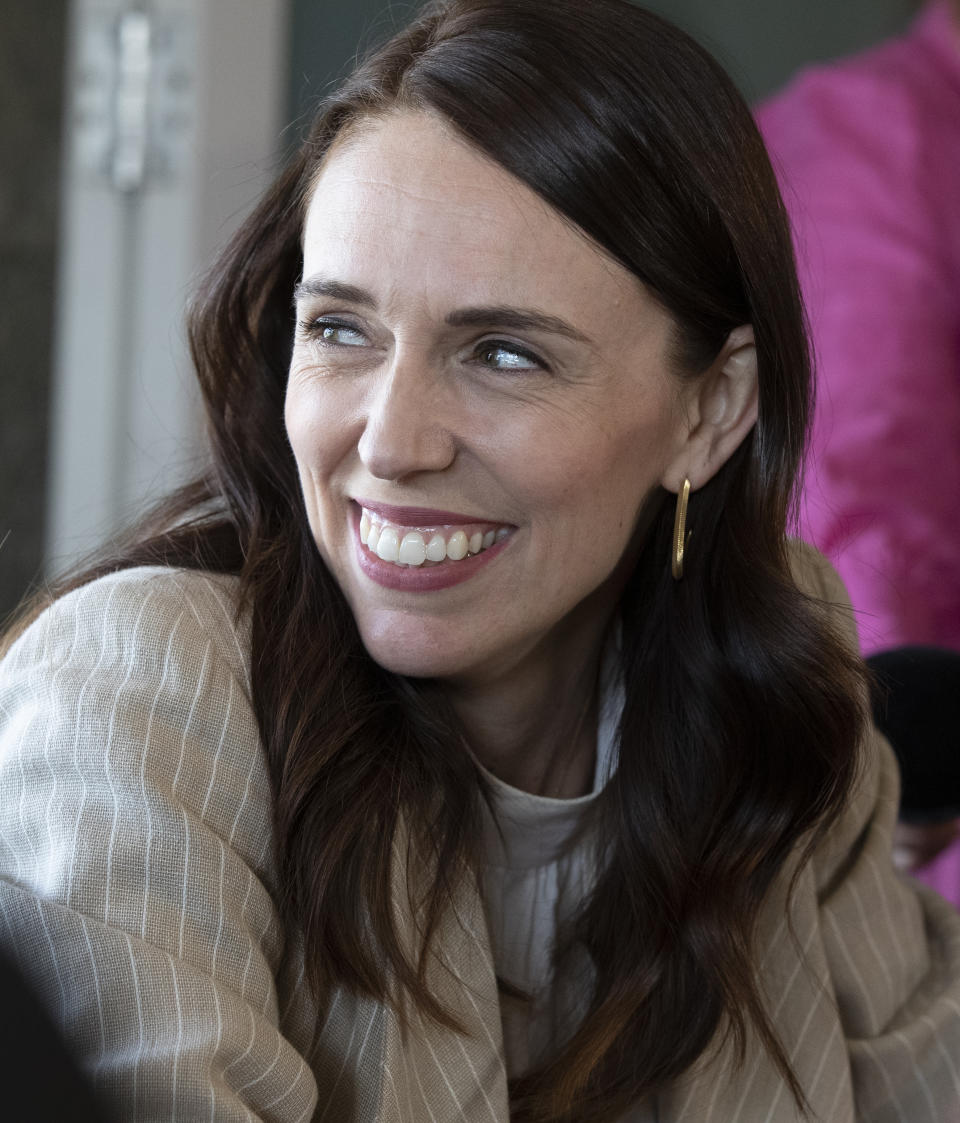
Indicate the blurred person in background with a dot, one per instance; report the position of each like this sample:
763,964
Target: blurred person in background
867,151
472,742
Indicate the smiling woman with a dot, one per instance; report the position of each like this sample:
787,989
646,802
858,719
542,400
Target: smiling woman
550,429
471,743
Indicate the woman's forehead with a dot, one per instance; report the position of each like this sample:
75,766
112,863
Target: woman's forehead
421,155
406,192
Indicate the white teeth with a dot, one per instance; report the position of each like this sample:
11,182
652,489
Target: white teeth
409,547
412,549
436,548
388,545
457,546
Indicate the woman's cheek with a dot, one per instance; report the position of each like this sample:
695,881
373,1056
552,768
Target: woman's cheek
315,425
296,413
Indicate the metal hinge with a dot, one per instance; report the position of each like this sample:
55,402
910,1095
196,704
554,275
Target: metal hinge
132,97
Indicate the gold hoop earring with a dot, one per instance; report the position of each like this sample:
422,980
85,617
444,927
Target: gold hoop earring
681,536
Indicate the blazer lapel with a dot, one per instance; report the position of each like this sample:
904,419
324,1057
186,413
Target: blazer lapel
431,1072
799,997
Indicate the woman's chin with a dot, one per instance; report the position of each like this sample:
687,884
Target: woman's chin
416,663
417,651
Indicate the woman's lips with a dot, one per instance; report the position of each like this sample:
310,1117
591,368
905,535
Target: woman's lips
424,554
417,516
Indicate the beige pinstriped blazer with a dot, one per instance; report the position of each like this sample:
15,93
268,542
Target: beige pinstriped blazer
137,890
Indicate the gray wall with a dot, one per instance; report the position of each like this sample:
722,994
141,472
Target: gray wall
327,36
32,45
761,42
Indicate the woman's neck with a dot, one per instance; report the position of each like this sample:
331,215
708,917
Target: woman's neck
534,727
532,720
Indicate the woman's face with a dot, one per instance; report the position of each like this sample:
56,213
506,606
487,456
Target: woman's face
473,377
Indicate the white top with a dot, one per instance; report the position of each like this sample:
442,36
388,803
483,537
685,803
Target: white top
538,866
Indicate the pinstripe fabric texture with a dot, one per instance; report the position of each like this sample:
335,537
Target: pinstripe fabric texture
137,891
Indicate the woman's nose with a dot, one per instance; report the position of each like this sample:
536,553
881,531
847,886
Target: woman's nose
404,431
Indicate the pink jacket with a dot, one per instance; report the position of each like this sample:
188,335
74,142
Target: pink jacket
868,155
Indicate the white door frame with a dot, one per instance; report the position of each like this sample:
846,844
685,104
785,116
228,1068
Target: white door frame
174,113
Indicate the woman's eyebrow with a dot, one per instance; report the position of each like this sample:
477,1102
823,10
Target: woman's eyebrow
503,316
515,319
320,286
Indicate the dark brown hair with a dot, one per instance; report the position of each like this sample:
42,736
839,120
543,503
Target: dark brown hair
738,740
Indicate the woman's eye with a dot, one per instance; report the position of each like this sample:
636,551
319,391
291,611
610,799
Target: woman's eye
507,356
335,333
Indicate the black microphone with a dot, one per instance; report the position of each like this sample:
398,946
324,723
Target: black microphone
38,1076
915,695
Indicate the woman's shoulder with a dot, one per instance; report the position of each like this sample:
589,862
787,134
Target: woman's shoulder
813,572
815,576
136,842
147,615
138,682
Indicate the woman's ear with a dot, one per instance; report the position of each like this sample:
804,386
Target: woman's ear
721,409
